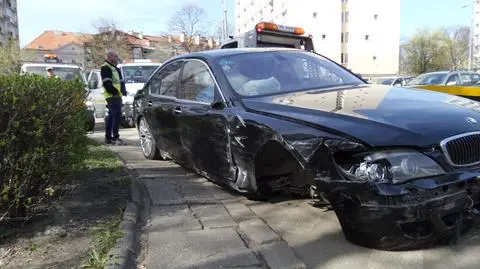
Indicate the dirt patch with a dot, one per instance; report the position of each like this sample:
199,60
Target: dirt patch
63,235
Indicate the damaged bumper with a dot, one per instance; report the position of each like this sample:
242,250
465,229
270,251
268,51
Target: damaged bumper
414,215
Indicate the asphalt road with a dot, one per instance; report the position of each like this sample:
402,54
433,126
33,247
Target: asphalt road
195,224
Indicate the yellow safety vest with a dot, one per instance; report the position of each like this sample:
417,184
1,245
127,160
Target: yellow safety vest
115,81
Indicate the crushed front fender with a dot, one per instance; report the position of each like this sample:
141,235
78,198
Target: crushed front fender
414,215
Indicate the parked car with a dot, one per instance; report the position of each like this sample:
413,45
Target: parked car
399,166
461,83
65,72
392,81
135,75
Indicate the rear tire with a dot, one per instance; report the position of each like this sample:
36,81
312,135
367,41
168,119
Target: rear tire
147,141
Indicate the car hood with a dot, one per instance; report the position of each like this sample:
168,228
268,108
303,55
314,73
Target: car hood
132,88
376,115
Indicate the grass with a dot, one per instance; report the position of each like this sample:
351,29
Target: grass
100,157
103,240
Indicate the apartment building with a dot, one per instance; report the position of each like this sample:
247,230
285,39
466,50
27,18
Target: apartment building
8,20
363,35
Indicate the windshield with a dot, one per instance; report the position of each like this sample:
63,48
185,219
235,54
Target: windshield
428,79
263,73
64,73
137,73
383,81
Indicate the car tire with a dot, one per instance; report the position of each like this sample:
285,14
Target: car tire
148,143
128,123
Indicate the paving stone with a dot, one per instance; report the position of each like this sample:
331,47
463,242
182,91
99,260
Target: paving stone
279,256
204,249
213,216
178,217
239,211
257,231
164,192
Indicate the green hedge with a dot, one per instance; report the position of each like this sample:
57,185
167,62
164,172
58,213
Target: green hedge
42,139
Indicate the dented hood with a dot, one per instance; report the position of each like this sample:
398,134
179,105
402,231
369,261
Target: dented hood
375,114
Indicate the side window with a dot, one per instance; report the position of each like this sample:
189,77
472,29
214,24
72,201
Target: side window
93,81
453,80
197,84
166,80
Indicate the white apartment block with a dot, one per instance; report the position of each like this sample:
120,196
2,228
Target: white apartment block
363,35
8,20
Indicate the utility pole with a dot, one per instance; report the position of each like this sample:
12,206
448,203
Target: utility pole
470,37
224,28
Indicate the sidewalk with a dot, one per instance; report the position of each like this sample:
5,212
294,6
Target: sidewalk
195,224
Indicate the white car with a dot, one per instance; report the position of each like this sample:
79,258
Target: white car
392,81
135,75
64,72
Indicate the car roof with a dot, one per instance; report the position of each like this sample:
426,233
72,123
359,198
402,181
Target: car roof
212,54
52,65
139,64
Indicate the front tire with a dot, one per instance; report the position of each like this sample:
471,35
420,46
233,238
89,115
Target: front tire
147,142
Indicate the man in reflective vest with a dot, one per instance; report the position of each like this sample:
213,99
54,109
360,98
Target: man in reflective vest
113,90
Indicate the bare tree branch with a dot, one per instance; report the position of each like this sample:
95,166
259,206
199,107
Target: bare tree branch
190,21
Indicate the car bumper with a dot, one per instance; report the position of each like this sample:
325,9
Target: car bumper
414,215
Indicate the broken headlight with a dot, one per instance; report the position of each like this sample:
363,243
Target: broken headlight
393,166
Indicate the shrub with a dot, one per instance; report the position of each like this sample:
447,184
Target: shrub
42,139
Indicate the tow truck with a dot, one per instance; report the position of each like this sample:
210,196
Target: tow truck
267,34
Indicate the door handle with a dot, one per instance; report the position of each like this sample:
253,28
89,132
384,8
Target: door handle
149,103
177,110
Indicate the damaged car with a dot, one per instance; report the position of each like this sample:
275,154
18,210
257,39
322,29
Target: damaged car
399,166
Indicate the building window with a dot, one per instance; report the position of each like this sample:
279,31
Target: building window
367,37
324,36
375,17
345,16
374,58
315,15
341,37
345,38
344,58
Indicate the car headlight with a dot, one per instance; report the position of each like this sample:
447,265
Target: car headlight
393,166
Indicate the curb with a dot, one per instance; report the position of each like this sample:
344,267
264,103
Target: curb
124,254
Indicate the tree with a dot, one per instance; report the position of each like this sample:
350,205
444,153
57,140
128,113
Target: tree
425,52
189,20
11,57
456,44
108,37
219,30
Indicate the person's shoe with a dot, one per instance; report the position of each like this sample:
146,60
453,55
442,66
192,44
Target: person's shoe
108,141
119,141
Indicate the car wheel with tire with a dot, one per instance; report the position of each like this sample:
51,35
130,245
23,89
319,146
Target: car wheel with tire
148,144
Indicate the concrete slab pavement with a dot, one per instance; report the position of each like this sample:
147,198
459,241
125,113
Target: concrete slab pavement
193,222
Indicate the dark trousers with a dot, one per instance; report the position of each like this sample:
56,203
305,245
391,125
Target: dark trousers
114,118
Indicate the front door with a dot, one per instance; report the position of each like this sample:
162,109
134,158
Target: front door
159,107
202,128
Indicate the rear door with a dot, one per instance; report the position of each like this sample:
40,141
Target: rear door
162,94
203,125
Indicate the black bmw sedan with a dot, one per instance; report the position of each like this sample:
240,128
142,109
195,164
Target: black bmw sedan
399,166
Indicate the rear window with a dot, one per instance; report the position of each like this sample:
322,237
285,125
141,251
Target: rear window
64,73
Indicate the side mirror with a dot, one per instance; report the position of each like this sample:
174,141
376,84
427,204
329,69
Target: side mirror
218,105
139,93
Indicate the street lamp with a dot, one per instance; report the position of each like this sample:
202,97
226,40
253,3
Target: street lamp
470,38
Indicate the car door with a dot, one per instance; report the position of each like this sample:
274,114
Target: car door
158,108
202,122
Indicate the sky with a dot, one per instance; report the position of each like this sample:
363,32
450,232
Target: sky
152,16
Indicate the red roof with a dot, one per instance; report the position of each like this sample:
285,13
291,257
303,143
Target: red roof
50,40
